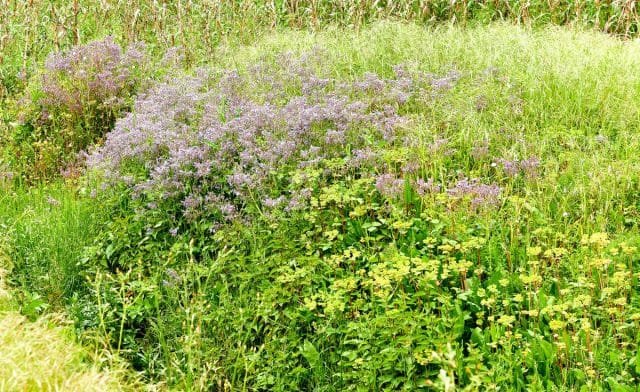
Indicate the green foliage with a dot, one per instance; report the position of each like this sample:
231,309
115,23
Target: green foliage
362,291
43,356
388,298
45,230
199,25
70,106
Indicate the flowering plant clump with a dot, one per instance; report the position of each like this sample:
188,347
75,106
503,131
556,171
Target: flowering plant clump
219,142
329,221
74,102
99,76
527,166
335,223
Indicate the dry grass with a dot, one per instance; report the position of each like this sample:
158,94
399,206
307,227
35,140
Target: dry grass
42,355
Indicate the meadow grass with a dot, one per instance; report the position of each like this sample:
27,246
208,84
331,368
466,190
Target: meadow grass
45,228
45,355
366,291
574,88
199,26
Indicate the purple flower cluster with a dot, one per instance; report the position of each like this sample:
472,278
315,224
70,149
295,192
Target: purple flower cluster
446,82
440,147
173,278
527,166
390,185
98,73
219,141
480,194
425,187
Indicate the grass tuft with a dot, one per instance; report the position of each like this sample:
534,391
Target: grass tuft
42,356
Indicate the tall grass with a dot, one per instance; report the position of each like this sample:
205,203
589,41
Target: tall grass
200,25
45,229
299,301
43,356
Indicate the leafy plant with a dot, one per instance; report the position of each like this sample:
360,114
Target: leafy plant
76,101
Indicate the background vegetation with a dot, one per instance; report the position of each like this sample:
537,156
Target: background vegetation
308,198
30,30
45,354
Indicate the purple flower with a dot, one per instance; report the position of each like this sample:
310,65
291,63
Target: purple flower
335,137
273,203
239,180
173,278
228,211
297,202
173,56
479,193
216,142
480,151
389,185
425,187
411,167
511,168
438,145
53,202
363,156
530,166
482,103
400,71
370,83
191,201
446,82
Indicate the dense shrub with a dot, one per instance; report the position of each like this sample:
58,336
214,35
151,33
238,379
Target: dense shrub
72,104
211,146
313,164
472,232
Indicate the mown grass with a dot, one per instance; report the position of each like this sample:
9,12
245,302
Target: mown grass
43,356
334,298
